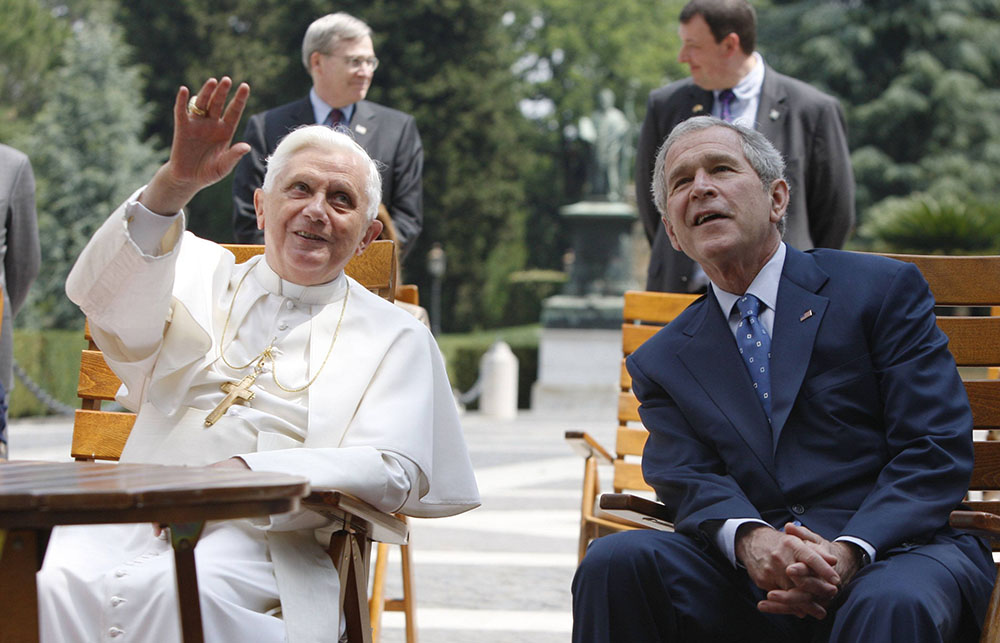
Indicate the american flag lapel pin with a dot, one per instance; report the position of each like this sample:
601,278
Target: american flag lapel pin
360,129
697,109
806,315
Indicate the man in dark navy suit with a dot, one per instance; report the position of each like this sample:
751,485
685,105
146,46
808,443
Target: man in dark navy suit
809,434
337,52
730,80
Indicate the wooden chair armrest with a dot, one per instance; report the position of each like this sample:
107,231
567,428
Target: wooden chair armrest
637,509
587,446
978,522
356,513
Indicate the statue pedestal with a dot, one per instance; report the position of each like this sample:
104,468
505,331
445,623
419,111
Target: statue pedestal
579,354
602,247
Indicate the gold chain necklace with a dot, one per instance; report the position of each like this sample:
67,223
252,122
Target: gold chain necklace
239,392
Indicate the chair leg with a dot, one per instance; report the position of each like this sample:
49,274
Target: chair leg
348,550
407,604
183,538
376,603
21,554
409,597
590,491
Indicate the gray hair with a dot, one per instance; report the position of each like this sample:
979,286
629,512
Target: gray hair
765,160
325,139
325,33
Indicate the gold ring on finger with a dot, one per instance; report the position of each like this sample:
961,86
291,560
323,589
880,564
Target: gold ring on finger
194,109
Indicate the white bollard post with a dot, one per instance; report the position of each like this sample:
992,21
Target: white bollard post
498,369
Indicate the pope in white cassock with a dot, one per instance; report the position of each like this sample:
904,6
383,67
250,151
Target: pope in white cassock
350,390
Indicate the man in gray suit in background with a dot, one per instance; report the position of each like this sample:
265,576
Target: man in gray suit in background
337,52
19,256
730,80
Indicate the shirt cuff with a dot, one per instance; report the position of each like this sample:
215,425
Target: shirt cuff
148,229
868,549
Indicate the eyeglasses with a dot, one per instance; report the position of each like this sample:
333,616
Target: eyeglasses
354,63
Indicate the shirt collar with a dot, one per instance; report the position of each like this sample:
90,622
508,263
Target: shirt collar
750,85
321,109
764,286
321,294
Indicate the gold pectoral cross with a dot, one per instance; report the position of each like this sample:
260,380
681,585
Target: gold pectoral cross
237,393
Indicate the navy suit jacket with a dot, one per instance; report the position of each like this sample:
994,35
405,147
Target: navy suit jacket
388,135
871,432
804,124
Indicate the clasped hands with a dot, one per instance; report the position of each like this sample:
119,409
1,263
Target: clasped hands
801,571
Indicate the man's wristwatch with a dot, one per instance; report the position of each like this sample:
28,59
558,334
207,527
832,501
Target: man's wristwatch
863,558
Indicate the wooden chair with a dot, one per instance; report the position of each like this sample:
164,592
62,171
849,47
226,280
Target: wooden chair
958,282
644,314
101,435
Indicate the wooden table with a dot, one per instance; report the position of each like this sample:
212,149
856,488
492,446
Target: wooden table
36,496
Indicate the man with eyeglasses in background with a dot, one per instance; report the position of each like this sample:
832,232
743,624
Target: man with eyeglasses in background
337,52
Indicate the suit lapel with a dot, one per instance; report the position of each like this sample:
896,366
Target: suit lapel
799,313
772,108
363,123
697,102
713,360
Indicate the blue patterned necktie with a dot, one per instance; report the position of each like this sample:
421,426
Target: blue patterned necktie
755,348
726,100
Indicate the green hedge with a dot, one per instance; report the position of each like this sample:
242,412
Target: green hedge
463,352
52,359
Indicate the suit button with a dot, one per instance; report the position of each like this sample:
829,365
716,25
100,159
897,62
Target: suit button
798,510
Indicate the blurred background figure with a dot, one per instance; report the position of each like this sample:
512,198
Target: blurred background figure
19,259
337,52
729,80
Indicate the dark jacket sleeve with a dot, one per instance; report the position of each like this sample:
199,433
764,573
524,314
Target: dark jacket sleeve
645,156
830,190
406,203
23,256
248,177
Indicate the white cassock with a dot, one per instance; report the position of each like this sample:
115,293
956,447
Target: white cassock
379,422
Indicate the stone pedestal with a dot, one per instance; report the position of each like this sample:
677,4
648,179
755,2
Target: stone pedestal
579,355
602,244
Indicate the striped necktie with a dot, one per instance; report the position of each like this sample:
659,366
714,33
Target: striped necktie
726,100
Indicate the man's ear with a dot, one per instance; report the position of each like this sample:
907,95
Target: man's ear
374,230
731,42
258,206
314,60
670,234
779,199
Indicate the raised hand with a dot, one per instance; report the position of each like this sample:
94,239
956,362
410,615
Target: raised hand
200,153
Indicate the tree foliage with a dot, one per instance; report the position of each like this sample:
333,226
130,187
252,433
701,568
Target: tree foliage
88,155
31,40
567,51
918,80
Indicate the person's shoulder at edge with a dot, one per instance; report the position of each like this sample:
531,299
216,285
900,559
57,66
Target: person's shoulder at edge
672,89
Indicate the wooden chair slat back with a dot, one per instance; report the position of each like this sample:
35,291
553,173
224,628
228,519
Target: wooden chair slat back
101,434
974,341
644,313
959,281
375,268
